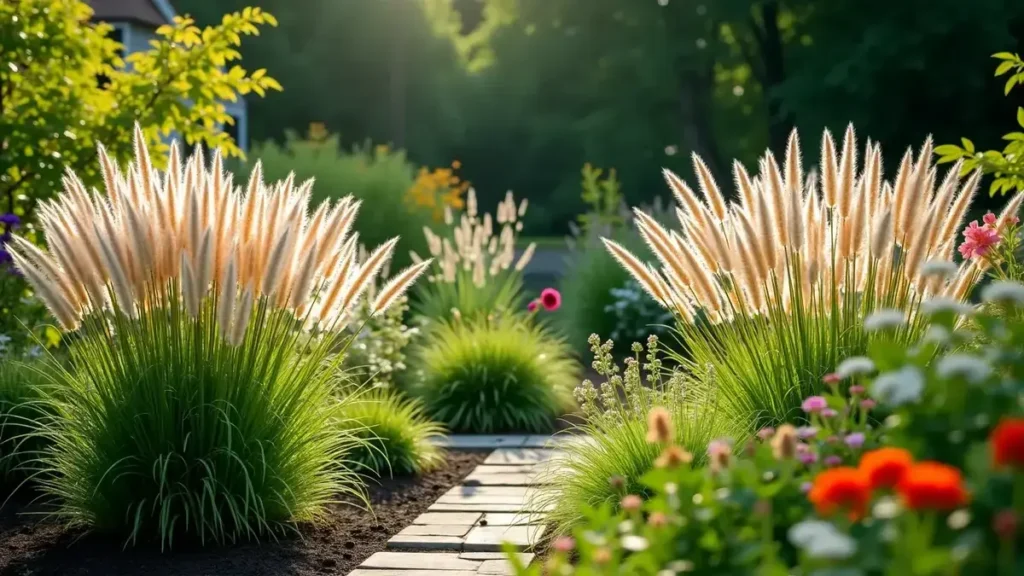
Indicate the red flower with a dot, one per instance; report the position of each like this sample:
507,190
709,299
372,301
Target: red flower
932,486
885,467
841,488
1008,443
550,299
532,306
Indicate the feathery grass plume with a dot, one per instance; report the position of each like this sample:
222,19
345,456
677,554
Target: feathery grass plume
191,411
475,271
808,265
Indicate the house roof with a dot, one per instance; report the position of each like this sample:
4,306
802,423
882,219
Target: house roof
151,13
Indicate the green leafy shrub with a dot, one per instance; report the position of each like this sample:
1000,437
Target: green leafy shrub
475,271
377,352
912,462
493,375
617,453
378,177
772,292
1007,165
395,432
200,400
55,111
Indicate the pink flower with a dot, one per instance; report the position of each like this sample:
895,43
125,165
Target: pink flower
831,378
867,404
833,460
550,299
978,239
856,390
989,219
631,503
808,457
814,404
829,413
532,306
564,544
766,433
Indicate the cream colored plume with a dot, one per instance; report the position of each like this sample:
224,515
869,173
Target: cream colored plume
190,234
475,247
794,240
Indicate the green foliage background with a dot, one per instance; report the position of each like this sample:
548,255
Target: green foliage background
524,92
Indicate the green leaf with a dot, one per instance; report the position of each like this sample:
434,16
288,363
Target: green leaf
968,145
1004,56
1010,84
950,150
1004,67
1020,116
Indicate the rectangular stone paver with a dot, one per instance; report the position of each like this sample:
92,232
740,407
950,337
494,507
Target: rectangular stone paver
469,441
520,456
487,491
505,469
524,557
448,518
502,479
490,538
420,561
364,572
418,542
496,568
435,530
507,519
476,507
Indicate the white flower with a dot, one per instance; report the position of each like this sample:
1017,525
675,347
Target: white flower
885,508
967,366
855,366
959,520
941,304
899,386
940,268
822,540
634,543
884,320
1003,291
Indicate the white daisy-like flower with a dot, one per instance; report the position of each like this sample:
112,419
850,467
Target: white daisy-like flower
939,268
634,543
942,304
885,319
885,508
967,366
820,539
899,387
855,366
1005,292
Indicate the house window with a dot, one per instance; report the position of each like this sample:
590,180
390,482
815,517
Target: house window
117,35
232,129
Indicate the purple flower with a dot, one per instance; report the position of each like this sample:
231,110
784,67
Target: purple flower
833,460
855,440
9,219
806,487
808,457
832,439
805,432
814,404
829,413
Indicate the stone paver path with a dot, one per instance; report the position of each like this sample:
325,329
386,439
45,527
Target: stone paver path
464,531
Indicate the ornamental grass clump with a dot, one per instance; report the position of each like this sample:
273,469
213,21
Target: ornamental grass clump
200,396
476,271
771,290
504,374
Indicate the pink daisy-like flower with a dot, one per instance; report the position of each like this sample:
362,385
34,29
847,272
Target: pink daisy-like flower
551,299
989,219
814,404
532,306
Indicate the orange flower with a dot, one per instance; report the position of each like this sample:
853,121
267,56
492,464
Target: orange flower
884,467
932,486
842,488
1008,443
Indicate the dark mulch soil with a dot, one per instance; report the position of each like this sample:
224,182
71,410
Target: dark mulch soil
350,535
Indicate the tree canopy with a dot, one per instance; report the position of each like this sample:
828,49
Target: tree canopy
525,92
